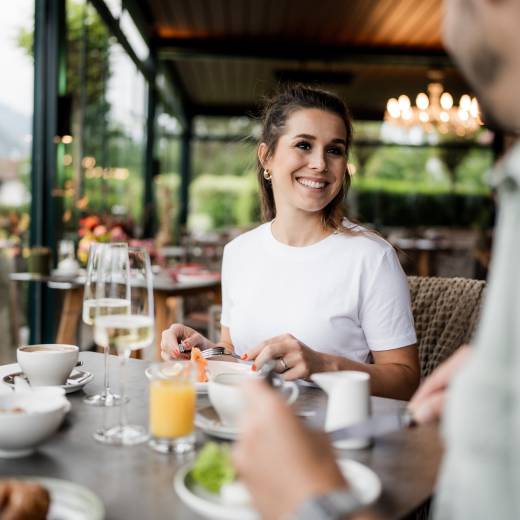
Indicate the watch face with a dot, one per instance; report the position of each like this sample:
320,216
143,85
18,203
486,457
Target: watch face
332,506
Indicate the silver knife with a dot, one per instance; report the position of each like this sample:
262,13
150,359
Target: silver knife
375,426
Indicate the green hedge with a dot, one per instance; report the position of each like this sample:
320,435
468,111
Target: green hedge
421,209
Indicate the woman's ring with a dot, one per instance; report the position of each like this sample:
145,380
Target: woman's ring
284,364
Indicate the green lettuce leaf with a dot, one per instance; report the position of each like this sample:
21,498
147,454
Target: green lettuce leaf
213,467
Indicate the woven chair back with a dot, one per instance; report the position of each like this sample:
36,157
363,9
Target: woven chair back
446,311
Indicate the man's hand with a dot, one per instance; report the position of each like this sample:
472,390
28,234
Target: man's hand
281,462
427,404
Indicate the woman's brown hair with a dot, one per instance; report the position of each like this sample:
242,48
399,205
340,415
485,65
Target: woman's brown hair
275,113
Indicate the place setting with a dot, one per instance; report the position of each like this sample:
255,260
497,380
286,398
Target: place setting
32,400
46,364
33,406
209,484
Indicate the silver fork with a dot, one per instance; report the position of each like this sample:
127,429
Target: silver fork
218,351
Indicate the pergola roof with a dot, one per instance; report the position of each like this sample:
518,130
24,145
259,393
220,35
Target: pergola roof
223,55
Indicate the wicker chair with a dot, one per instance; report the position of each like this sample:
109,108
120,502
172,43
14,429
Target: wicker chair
446,311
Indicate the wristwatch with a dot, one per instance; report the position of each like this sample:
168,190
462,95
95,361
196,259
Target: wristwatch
335,505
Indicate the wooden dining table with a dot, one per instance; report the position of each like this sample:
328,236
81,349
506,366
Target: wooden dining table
137,483
164,289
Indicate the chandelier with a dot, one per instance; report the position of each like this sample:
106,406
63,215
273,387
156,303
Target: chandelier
435,112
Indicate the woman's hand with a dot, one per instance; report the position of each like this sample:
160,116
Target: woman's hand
294,359
176,333
281,462
427,404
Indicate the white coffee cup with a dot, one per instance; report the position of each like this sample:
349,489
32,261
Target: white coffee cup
227,397
47,364
349,402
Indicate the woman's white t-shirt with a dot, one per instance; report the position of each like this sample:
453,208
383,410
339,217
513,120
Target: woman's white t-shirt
345,295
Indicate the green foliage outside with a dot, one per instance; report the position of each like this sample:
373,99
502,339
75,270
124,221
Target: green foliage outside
220,201
412,187
97,134
423,170
221,158
393,185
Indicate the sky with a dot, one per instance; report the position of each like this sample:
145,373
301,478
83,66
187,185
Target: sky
16,68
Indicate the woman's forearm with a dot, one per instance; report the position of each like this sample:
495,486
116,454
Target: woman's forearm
394,380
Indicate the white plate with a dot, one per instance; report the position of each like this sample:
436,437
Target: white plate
209,422
69,501
78,379
365,483
214,368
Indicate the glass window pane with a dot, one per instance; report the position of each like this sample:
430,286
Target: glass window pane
105,161
16,108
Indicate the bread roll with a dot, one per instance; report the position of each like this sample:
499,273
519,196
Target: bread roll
23,500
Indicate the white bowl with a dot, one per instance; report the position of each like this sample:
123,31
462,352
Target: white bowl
21,433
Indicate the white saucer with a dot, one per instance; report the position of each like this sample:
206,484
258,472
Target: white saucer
365,484
66,275
69,500
78,379
214,368
209,422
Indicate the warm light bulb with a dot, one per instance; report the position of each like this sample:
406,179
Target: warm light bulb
444,117
393,107
463,115
423,116
404,102
446,101
465,102
473,109
422,101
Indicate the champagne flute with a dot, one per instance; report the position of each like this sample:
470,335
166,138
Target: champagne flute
108,303
126,332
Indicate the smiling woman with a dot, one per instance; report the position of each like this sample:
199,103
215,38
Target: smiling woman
309,288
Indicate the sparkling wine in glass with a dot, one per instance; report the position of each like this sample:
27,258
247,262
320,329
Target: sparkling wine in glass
104,300
125,332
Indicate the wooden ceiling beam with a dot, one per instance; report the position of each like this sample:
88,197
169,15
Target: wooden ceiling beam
236,48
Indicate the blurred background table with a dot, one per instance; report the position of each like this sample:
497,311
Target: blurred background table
166,291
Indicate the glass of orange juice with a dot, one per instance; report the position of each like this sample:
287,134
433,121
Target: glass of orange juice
172,406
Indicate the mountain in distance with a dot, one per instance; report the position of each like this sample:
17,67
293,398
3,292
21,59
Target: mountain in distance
14,128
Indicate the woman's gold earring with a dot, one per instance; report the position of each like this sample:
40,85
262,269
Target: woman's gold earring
267,175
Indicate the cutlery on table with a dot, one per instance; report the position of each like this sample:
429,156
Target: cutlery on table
218,351
210,352
375,426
